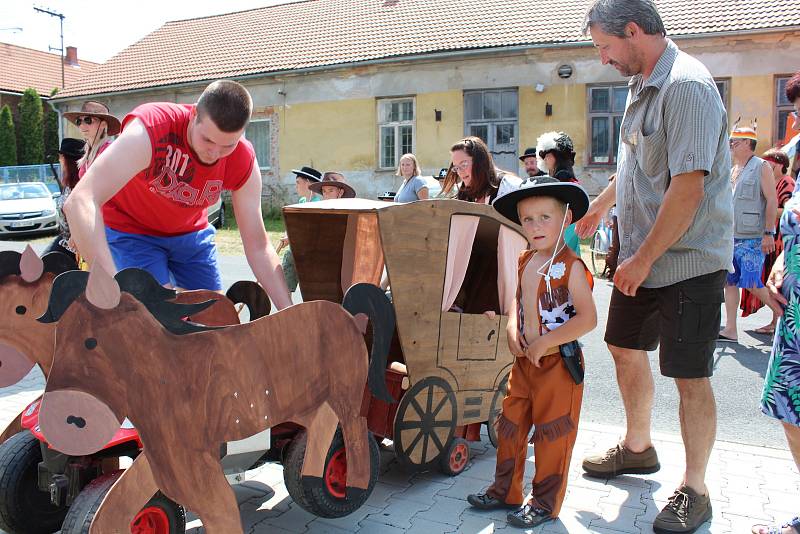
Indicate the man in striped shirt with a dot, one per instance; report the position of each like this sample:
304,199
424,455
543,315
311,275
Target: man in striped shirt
674,208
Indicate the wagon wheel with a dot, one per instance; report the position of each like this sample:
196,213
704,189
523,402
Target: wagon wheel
494,410
425,423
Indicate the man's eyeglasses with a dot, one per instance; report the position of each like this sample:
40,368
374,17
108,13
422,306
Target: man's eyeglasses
86,120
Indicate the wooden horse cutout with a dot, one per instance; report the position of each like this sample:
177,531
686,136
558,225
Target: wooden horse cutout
188,388
25,285
25,282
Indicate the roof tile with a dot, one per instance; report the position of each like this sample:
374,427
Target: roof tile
25,67
319,33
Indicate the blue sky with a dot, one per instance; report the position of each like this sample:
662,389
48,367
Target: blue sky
100,29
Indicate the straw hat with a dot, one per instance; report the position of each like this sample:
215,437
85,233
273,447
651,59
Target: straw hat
91,108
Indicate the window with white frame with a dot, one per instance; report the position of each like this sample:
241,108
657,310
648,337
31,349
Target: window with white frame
783,108
606,106
258,133
395,130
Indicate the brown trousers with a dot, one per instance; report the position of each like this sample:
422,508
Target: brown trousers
547,398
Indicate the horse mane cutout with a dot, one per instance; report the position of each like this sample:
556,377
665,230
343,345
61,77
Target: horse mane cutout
9,263
142,286
58,262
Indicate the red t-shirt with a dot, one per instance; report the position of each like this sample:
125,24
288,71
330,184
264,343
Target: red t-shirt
171,196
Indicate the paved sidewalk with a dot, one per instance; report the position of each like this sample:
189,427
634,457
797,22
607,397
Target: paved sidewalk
748,485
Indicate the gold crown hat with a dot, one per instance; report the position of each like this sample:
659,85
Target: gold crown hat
745,132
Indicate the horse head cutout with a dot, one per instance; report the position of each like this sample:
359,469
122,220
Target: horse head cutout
25,281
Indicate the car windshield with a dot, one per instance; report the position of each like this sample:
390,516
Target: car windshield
23,191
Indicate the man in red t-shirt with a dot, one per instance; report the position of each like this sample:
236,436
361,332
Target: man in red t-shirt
144,201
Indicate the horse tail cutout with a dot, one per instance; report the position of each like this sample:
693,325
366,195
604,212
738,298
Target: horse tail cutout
252,295
371,301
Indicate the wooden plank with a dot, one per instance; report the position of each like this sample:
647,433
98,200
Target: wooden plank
479,335
340,205
317,240
362,254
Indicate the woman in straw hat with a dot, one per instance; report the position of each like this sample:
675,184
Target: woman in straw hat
97,126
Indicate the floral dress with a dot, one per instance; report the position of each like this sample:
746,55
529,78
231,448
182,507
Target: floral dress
781,397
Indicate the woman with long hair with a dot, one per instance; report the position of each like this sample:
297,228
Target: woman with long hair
414,186
70,153
97,127
475,167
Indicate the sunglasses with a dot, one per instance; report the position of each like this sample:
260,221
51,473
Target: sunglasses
85,120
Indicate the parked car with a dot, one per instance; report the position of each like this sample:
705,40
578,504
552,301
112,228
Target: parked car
27,208
216,214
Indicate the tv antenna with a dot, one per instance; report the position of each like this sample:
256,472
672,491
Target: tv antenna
60,16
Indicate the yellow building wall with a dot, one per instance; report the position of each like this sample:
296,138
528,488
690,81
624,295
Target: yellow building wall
434,139
328,135
754,97
569,115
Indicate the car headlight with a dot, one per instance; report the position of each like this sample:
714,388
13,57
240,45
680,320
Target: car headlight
48,213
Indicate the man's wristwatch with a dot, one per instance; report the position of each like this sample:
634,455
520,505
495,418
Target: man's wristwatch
769,233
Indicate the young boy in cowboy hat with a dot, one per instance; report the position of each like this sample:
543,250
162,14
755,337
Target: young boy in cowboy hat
553,308
333,186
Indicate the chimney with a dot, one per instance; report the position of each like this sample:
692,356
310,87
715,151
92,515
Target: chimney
72,57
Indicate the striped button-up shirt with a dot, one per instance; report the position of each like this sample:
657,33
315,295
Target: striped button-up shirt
675,123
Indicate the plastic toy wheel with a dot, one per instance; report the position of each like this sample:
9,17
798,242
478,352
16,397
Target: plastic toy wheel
23,508
329,499
456,457
159,516
494,410
599,255
425,424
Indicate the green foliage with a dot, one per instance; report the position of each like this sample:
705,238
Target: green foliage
50,130
273,213
31,132
8,138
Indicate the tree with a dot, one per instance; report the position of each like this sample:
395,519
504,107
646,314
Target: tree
8,139
31,136
50,129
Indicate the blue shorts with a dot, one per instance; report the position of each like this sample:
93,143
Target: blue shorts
188,261
748,263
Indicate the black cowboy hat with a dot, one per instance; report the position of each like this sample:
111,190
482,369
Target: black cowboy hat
72,148
544,186
530,152
328,180
309,173
92,108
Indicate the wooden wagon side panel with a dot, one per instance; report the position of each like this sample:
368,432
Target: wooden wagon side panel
414,240
317,242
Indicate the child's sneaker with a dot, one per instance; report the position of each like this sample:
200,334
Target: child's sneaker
483,501
528,516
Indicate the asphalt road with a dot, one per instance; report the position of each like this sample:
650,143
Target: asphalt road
738,375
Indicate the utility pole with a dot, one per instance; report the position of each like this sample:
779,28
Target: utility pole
61,19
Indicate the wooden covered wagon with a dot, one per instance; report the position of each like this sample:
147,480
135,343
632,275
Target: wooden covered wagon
451,268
